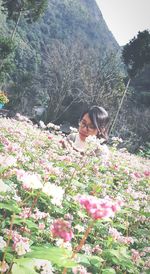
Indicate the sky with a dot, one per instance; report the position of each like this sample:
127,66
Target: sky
125,18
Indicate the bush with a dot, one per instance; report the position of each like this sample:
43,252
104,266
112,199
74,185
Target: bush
63,212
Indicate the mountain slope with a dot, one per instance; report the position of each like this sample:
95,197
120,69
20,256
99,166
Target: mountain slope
58,56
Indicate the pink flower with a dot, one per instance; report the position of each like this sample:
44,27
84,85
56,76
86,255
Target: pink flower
116,235
97,249
68,216
116,167
41,226
80,270
20,244
26,213
147,173
62,229
38,215
135,255
50,137
136,175
99,208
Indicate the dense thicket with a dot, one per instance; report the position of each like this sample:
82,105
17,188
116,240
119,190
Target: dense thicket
136,56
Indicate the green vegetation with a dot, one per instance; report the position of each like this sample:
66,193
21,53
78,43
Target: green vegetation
63,212
136,53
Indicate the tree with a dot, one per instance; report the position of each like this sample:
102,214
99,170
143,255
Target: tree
30,10
72,75
7,47
136,56
137,53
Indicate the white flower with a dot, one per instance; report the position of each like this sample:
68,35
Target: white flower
2,243
22,248
42,125
53,126
87,249
61,243
117,139
56,192
91,139
7,161
22,118
50,125
4,187
73,129
16,198
79,228
32,181
44,266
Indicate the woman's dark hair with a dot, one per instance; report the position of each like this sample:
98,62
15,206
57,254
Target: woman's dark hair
100,119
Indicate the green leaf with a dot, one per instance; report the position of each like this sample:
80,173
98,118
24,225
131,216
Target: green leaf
2,169
108,271
146,214
29,223
119,257
96,261
58,256
119,225
87,261
9,257
23,266
11,206
83,259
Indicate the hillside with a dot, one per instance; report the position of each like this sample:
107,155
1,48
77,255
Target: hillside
58,59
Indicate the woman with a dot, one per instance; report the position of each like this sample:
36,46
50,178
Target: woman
93,122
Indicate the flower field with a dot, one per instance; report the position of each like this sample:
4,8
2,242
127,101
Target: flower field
64,212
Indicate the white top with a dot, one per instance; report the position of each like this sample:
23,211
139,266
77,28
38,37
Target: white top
98,149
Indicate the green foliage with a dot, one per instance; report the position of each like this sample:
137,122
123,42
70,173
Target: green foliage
31,9
58,256
119,257
31,154
10,206
144,151
7,50
7,46
24,266
6,68
137,53
108,271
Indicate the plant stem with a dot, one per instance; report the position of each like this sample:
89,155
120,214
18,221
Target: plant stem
8,241
79,246
34,202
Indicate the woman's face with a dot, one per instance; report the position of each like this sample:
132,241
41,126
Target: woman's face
86,127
